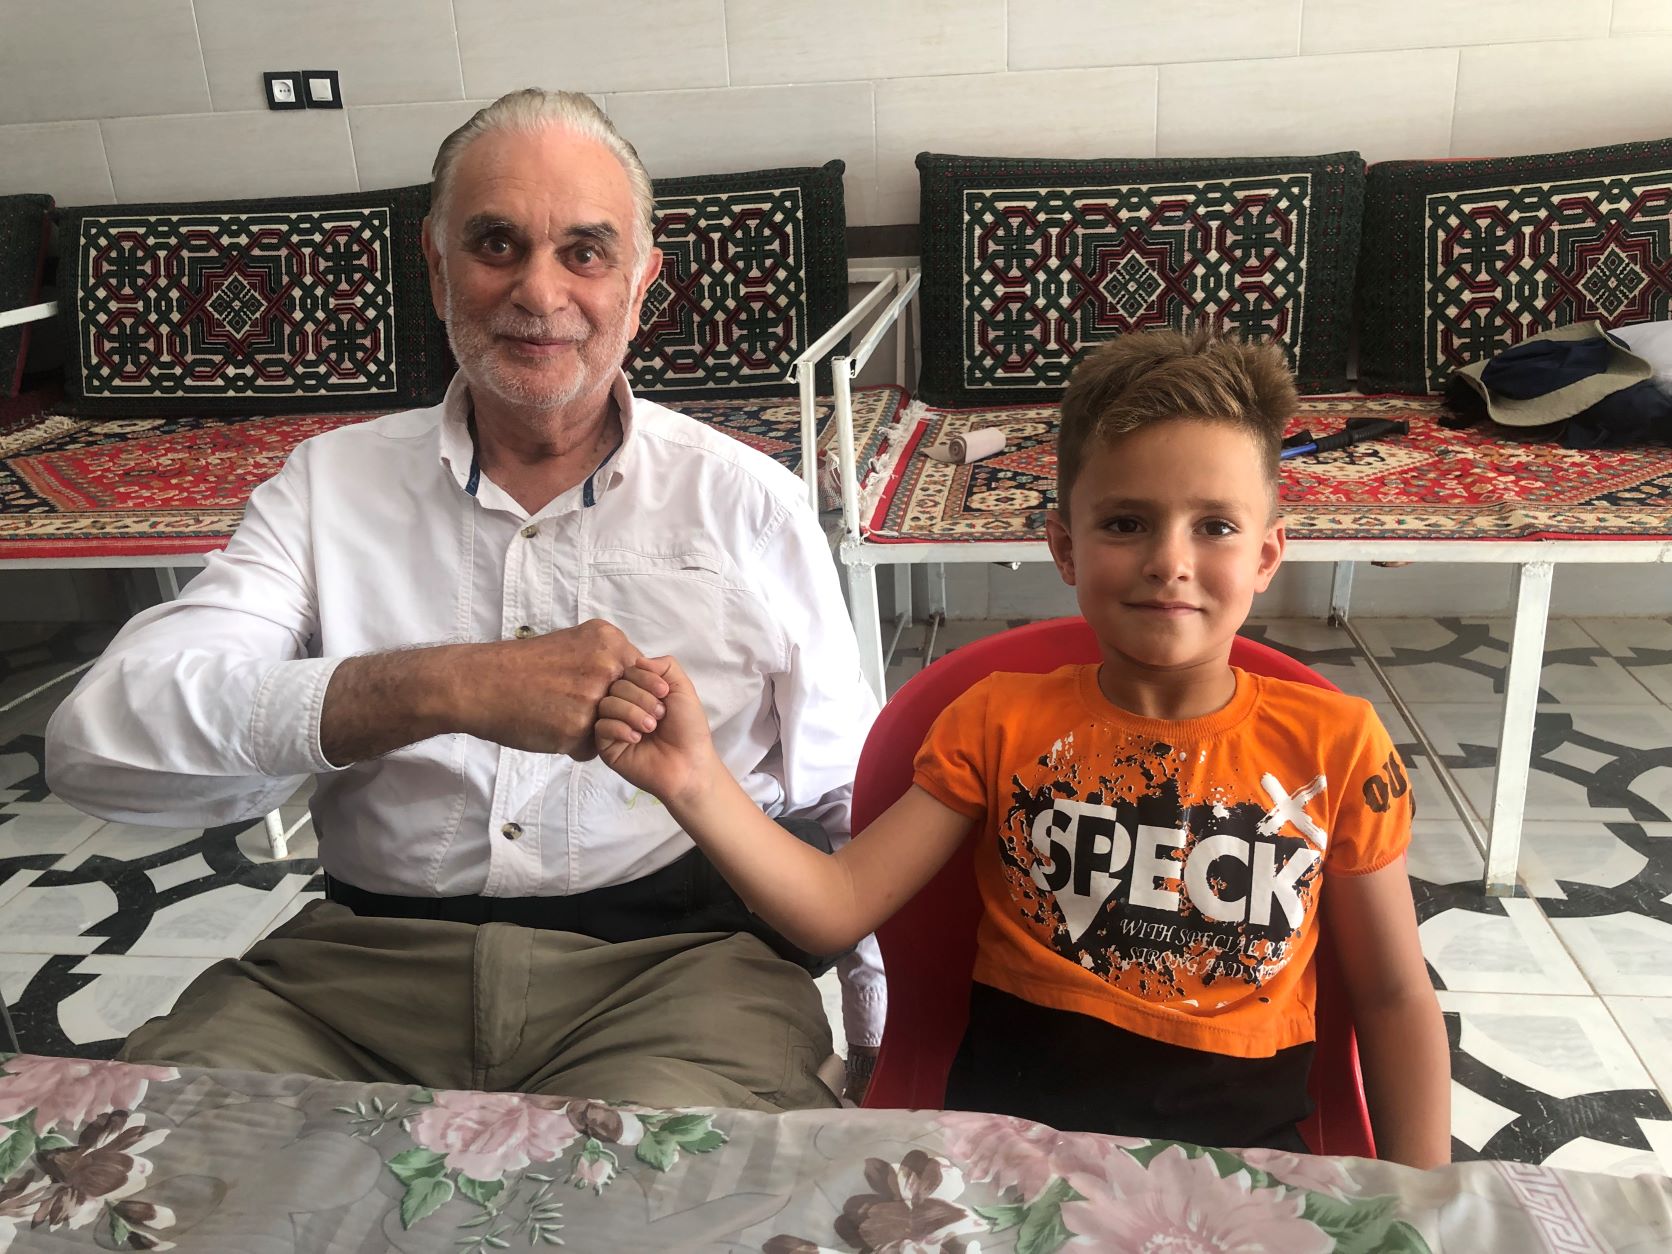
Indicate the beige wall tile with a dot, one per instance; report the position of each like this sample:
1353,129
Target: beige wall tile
1048,34
66,160
811,41
386,50
1523,98
229,155
394,145
63,59
753,128
1367,25
1048,113
1384,104
581,45
1642,17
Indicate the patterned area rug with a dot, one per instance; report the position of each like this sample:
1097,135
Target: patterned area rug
78,487
774,425
1433,483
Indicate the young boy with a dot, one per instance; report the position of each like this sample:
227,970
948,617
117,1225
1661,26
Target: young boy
1155,833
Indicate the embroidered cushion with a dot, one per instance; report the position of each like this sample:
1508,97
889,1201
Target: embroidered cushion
754,269
1464,258
298,304
1029,262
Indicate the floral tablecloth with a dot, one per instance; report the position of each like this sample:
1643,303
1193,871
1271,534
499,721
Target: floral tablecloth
100,1155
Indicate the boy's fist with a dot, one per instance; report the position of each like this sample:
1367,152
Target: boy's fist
651,730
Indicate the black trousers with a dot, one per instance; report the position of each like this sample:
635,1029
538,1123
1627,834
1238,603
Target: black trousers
1080,1074
687,895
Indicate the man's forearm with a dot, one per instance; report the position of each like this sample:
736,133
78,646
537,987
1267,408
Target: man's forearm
1407,1081
381,702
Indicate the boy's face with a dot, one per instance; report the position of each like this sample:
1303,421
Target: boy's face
1169,537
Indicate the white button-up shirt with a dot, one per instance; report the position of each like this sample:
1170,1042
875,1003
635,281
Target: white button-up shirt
384,535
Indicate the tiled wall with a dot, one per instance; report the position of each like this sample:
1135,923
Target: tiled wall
130,101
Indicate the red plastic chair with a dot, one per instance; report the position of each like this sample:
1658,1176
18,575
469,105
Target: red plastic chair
929,945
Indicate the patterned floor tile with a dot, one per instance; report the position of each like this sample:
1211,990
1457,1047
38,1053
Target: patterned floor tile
1647,1024
1506,946
1595,860
1463,659
125,991
1602,763
33,654
1564,1069
1643,647
1621,954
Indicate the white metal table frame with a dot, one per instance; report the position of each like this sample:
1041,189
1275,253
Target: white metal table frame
1534,563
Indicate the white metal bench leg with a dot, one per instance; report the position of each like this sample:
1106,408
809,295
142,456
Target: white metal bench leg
867,625
1340,592
1515,738
278,840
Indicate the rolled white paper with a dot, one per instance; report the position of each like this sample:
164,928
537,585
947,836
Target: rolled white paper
972,446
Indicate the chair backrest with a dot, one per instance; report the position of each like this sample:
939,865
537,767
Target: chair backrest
929,945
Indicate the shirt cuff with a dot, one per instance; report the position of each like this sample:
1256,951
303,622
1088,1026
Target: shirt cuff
284,725
864,994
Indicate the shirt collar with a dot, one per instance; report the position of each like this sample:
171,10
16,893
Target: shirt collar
458,449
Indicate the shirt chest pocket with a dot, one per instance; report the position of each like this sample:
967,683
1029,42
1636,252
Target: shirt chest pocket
685,602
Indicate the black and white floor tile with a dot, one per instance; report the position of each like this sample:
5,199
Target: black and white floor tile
1558,1002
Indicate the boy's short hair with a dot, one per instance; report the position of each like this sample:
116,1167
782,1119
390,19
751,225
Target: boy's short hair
1143,378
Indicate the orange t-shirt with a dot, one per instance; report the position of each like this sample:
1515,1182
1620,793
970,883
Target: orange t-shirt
1165,876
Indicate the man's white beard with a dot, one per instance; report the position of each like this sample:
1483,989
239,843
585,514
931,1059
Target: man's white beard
474,348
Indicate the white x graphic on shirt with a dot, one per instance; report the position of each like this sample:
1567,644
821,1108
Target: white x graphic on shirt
1289,807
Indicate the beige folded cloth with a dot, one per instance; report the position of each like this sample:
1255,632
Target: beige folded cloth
972,446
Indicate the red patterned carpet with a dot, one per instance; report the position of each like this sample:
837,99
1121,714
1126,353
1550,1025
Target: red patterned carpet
1434,483
88,487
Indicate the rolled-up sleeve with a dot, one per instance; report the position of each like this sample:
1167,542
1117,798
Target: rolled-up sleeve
206,709
825,709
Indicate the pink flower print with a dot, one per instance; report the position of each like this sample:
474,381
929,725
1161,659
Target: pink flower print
69,1091
594,1167
1008,1151
1185,1207
1301,1171
485,1135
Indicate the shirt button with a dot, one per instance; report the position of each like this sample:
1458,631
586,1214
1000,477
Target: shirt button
530,531
524,632
511,831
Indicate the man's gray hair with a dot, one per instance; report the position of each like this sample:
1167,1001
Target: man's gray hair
532,110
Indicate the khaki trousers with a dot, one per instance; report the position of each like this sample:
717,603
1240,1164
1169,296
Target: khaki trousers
695,1019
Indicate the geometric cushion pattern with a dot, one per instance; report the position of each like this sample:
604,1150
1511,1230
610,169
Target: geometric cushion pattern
1029,263
1464,258
272,306
753,271
1434,483
76,487
25,222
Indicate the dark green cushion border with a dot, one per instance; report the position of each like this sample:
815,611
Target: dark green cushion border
25,224
421,353
825,269
1391,305
1338,190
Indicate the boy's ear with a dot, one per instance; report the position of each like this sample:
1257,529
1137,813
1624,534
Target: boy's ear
1062,546
1271,555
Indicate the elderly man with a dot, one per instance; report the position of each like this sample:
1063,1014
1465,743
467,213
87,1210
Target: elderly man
423,611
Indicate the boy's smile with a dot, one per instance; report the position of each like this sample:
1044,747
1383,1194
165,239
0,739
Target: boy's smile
1170,535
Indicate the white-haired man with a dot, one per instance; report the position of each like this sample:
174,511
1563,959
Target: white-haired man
424,611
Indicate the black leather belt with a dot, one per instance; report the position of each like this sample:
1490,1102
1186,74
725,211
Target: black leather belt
687,895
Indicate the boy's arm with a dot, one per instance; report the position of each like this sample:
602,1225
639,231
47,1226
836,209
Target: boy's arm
652,730
1372,929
